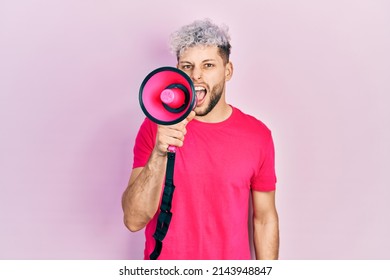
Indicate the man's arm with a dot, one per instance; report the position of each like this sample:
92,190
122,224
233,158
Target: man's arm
266,225
141,198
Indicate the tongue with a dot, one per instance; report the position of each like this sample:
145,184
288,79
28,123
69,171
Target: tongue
200,94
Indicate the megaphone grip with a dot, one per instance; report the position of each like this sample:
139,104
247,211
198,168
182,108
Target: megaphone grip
171,149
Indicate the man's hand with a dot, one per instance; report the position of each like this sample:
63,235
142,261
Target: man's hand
171,135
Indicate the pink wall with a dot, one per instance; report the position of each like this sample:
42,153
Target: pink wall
316,73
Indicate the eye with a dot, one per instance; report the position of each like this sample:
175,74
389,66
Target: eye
186,67
209,65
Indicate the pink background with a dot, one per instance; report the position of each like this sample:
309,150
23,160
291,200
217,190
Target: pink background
316,72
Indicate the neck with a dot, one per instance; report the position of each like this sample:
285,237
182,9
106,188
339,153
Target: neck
220,113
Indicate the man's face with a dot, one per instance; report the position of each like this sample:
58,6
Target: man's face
205,67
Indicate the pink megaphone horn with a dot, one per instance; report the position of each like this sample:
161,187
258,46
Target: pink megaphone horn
167,96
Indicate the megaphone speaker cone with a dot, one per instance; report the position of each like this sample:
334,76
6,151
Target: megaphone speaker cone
167,95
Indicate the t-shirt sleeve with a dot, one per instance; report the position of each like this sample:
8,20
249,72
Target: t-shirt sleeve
265,178
144,143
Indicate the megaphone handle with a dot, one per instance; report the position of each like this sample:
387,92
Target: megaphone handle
172,149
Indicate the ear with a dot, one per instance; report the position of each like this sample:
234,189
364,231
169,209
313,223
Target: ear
228,71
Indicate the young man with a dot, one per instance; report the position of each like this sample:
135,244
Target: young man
224,156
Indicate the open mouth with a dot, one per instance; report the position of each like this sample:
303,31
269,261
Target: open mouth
200,94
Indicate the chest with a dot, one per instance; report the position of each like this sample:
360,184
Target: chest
219,157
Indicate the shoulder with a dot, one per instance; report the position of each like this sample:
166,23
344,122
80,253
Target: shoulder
147,132
148,126
250,123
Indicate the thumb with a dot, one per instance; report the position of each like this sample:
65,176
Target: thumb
190,116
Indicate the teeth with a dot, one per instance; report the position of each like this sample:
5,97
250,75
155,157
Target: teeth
200,88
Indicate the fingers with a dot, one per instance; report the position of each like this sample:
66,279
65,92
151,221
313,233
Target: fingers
172,135
168,136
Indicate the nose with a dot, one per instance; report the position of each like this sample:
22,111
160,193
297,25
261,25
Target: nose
196,74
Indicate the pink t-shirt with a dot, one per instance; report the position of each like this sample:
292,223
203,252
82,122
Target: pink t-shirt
214,173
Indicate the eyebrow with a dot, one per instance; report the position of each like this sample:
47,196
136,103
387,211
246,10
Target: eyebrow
206,60
209,60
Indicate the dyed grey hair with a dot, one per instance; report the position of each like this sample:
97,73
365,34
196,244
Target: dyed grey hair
201,32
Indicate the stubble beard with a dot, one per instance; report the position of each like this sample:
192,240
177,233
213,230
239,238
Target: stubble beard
215,96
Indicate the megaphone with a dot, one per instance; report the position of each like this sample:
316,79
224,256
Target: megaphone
167,95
